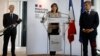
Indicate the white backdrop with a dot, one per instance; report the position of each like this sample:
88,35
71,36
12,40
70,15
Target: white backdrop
36,33
2,11
4,4
97,8
36,41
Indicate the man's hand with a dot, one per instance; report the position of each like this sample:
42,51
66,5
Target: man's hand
88,30
14,25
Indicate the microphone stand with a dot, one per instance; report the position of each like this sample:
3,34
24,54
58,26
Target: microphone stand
43,21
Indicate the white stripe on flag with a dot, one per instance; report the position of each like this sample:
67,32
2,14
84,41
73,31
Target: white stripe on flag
71,13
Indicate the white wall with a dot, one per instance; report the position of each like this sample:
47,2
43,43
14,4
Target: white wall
18,11
97,8
3,7
36,35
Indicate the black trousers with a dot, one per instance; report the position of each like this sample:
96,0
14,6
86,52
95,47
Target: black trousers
92,40
9,33
52,53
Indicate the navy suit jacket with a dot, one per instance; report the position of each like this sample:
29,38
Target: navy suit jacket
8,20
88,21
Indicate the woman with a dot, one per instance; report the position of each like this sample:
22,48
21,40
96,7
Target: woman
54,13
53,28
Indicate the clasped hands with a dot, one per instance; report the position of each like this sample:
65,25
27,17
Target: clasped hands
88,30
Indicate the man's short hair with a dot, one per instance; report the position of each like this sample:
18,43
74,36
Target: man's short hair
89,2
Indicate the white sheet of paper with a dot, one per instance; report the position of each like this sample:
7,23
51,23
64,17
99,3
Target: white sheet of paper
55,43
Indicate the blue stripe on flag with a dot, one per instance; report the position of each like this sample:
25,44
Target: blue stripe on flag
82,10
82,6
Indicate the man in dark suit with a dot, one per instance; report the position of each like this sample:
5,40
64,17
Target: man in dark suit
9,19
89,21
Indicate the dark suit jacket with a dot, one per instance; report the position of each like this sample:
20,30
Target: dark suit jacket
7,20
88,21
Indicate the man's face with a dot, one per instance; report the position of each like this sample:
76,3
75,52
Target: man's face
87,6
11,8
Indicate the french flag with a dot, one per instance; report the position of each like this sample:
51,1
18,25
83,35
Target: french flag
71,28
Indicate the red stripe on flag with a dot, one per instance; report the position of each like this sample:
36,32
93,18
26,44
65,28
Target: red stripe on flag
71,31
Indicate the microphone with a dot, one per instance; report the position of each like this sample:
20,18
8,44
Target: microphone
43,18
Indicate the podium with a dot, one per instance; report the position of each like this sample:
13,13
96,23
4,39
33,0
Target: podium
55,41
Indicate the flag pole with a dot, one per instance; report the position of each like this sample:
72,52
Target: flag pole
70,49
81,50
64,37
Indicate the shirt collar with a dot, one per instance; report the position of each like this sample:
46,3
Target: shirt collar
88,11
11,13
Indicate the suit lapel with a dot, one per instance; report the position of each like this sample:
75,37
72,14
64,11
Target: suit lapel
92,13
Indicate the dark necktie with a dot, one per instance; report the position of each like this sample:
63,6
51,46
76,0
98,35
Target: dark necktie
11,15
88,12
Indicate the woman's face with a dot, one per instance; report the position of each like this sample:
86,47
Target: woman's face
54,8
